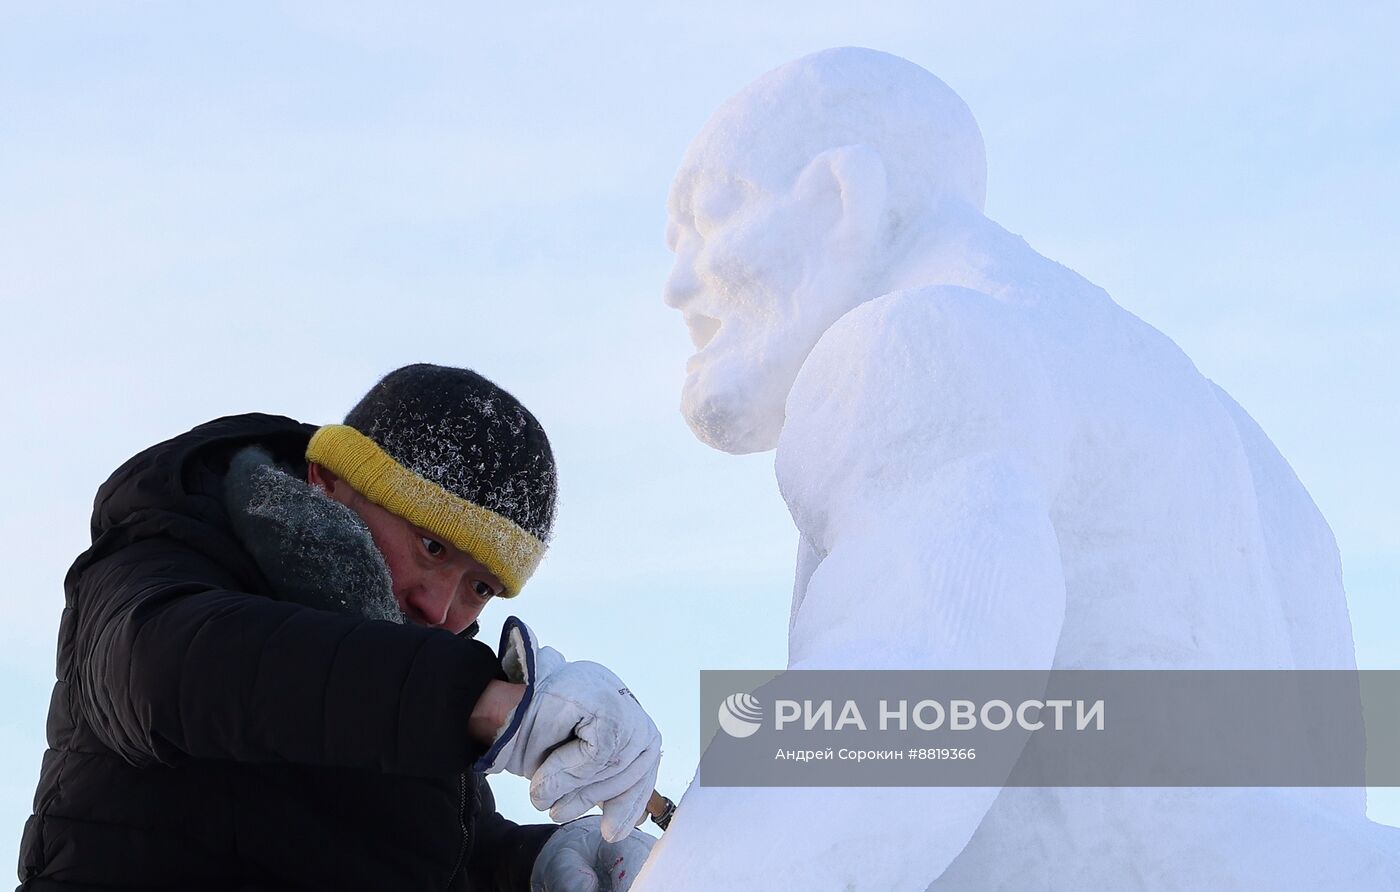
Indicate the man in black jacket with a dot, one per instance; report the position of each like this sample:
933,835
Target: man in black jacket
267,677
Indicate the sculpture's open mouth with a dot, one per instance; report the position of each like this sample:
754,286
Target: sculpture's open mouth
702,329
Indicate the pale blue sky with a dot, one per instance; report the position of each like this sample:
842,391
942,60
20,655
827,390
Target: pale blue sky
214,208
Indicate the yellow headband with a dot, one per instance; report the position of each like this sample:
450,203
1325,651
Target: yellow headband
501,545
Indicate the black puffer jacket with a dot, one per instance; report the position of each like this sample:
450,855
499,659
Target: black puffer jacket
204,735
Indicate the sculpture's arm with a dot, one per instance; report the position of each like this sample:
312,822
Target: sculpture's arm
966,575
971,581
920,456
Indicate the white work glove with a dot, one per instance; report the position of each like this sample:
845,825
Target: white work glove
578,734
578,859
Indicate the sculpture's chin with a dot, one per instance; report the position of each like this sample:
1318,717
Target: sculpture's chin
729,419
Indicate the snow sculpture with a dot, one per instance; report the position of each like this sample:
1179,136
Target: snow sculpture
991,465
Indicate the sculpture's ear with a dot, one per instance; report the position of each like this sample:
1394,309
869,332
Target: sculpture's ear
845,189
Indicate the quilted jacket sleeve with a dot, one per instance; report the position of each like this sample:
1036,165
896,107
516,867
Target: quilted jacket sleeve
171,662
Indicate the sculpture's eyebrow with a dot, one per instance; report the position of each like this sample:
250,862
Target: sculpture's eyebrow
703,194
681,198
716,199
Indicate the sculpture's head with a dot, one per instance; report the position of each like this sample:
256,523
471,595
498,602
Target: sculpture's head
783,212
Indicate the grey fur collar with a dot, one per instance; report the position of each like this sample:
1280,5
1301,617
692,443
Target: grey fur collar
312,549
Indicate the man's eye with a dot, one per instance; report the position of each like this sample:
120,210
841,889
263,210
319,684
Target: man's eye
434,547
482,589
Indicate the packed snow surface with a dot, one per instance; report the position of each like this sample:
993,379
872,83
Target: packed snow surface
991,465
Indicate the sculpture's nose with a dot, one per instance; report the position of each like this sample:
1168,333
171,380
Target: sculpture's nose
681,284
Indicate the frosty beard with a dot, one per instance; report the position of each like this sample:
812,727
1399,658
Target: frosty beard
738,412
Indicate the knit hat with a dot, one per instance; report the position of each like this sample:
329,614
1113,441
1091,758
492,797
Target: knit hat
452,453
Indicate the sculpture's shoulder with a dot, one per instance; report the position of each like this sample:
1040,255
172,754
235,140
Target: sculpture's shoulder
946,319
914,380
934,354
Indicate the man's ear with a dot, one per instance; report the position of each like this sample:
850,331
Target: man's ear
324,480
845,189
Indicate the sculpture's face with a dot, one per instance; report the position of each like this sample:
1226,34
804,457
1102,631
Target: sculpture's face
756,293
788,210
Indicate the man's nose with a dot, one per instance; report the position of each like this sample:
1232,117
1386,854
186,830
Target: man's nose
429,601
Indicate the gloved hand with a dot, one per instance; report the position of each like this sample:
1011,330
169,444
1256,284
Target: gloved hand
578,734
578,859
